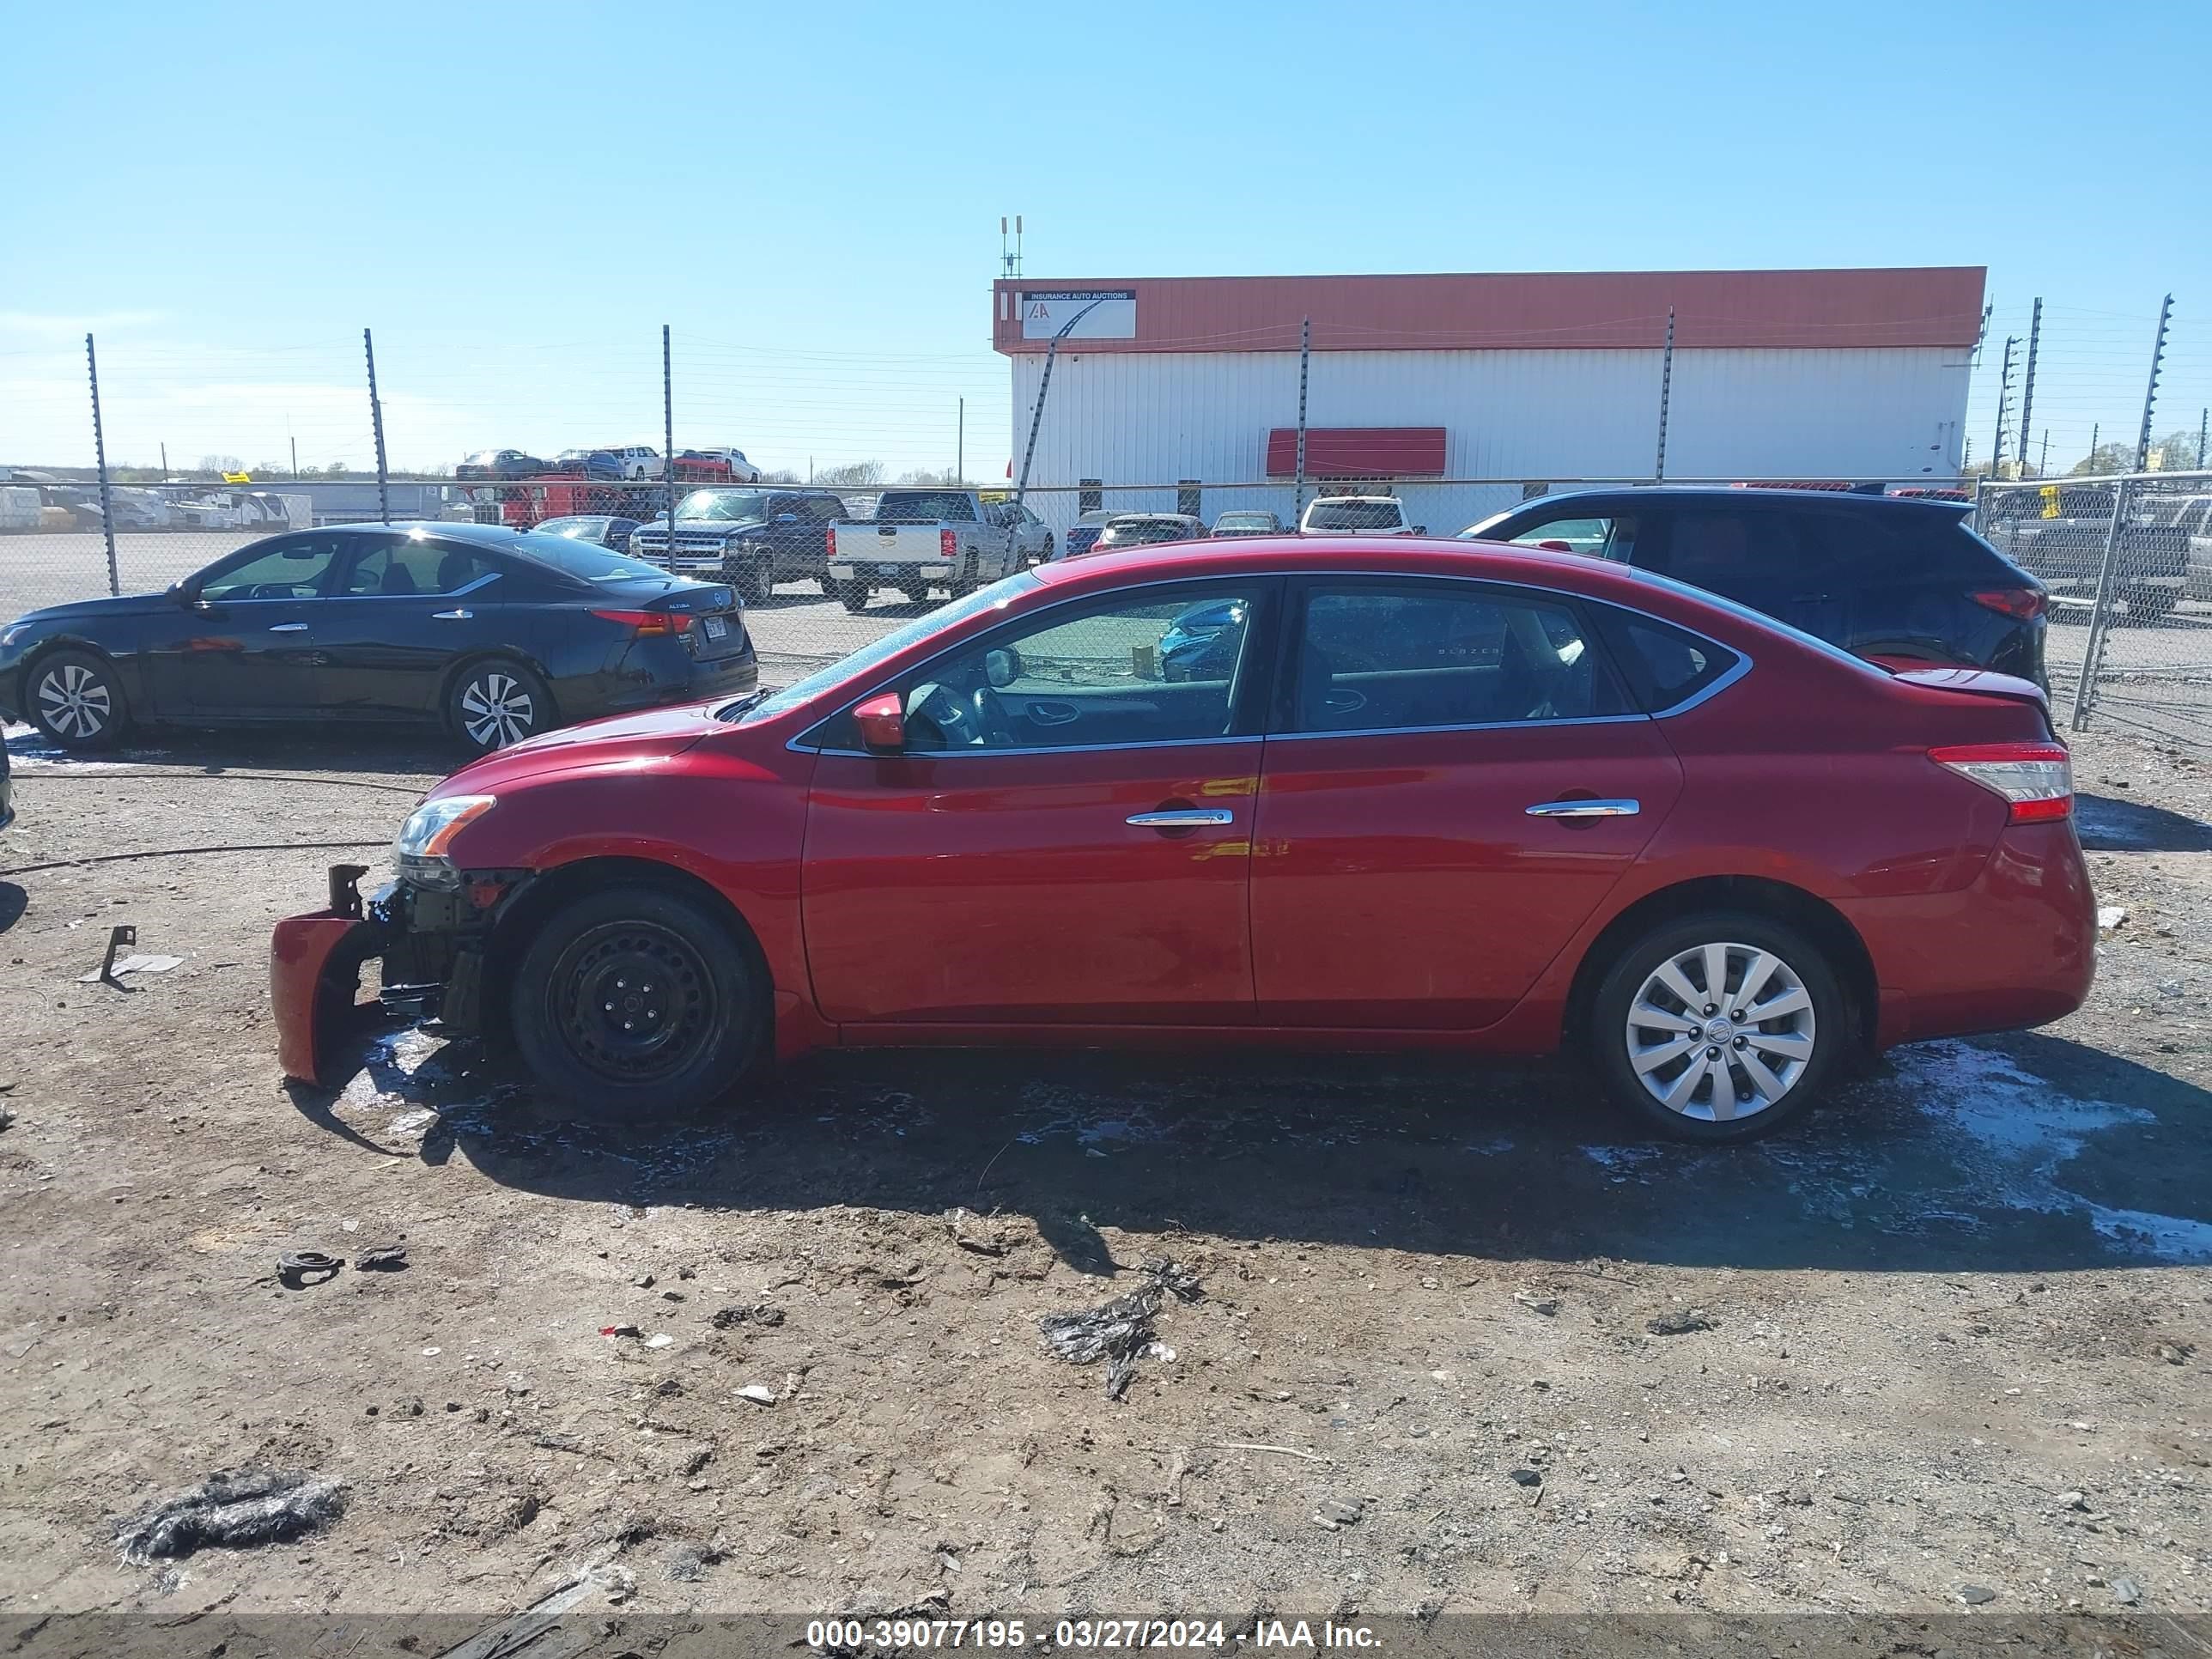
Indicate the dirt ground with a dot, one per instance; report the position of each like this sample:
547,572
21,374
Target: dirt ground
1950,1335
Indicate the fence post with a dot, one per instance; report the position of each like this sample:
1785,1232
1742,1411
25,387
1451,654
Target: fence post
1666,389
376,422
2093,649
2150,393
2027,382
1305,355
1044,385
100,454
960,445
2004,396
668,438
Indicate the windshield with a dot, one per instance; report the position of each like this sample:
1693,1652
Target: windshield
1354,515
1245,521
858,665
1143,532
587,560
728,506
926,506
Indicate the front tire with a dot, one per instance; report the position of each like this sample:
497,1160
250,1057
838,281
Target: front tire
1719,1027
747,575
76,700
633,1003
497,703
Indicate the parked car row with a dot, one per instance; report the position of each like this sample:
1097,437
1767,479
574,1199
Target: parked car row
623,462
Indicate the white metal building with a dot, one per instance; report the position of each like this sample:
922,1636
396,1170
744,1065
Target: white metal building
1456,392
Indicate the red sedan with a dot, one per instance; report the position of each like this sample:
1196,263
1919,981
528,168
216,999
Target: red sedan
1355,794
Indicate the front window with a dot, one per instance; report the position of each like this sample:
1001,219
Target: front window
404,567
722,506
294,570
1399,656
877,652
1354,515
1133,669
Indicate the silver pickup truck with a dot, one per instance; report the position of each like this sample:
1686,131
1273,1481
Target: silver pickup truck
922,539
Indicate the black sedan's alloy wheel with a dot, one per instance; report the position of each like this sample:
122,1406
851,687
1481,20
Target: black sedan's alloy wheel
633,1001
75,701
497,703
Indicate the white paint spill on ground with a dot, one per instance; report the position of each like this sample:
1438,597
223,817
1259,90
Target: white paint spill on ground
1624,1161
2027,1130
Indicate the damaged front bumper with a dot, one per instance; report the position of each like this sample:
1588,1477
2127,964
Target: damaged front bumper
432,944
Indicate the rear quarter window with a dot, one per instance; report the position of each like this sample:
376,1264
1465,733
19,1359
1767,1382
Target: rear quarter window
1915,547
1664,666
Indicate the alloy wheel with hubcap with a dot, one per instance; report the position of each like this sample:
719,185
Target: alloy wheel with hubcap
498,705
1719,1027
76,701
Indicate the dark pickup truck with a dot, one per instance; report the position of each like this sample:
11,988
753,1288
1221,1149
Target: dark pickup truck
750,537
2056,533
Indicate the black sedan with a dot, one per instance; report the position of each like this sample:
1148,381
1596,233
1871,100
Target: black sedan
494,634
607,531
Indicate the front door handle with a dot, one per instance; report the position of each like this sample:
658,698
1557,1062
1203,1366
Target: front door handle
289,627
1585,809
1188,818
462,615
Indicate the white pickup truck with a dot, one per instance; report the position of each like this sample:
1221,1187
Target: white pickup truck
921,539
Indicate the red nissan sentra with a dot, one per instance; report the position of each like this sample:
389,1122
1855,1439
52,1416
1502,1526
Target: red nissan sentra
1357,795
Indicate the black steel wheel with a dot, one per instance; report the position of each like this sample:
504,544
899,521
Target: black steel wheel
634,1001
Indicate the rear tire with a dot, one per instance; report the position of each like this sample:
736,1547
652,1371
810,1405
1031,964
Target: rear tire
76,700
497,702
633,1003
853,596
1706,1077
2148,606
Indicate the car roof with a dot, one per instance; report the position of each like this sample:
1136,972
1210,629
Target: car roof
1152,518
1852,500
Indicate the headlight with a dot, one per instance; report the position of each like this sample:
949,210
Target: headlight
418,851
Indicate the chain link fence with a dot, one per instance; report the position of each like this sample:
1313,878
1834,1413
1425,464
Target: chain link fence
2128,561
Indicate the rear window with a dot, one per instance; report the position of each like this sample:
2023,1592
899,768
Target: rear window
926,506
1354,515
1915,546
1664,666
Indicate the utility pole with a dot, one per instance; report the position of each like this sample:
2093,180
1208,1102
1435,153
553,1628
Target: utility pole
296,460
960,447
1305,355
2093,430
376,421
1666,387
165,463
100,454
2004,394
2027,385
1051,352
668,438
2203,427
2043,467
2150,393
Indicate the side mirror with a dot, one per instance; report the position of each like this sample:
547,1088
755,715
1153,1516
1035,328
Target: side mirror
1420,530
184,593
1556,546
882,720
1002,666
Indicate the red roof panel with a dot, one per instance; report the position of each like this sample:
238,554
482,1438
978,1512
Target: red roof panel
1358,452
1929,306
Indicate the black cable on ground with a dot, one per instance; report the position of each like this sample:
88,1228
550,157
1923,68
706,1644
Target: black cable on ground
187,852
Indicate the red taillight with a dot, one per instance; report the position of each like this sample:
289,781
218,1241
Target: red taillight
2024,603
832,533
2035,779
948,545
648,623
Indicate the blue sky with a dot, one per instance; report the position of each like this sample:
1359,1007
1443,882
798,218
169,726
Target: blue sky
517,198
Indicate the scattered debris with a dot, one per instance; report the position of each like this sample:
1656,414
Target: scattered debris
1546,1305
1528,1478
1975,1595
7,1116
659,1339
688,1563
382,1258
759,1392
2073,1500
1259,1445
1335,1512
2110,916
760,1313
620,1330
643,1281
236,1508
2174,1353
133,963
1681,1324
298,1268
2126,1592
1119,1330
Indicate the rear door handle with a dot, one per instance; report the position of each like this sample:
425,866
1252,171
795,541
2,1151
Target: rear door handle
451,616
1188,818
289,627
1585,809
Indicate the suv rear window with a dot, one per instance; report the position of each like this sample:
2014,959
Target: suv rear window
1354,515
1665,666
